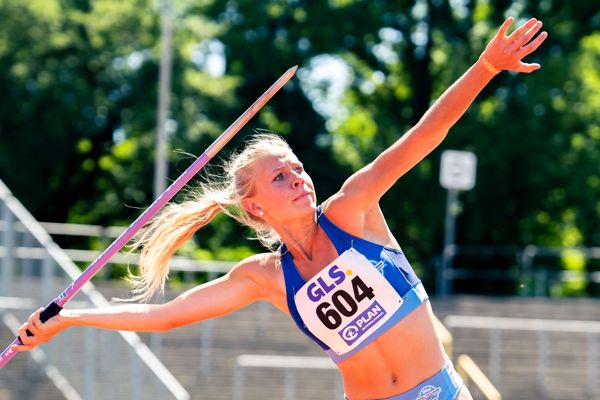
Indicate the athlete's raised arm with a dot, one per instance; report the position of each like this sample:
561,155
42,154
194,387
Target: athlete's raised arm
365,187
226,294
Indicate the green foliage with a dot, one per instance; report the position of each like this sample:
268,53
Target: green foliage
78,112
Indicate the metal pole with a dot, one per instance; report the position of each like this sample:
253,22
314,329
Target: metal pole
543,350
289,390
47,279
592,364
8,242
264,320
527,259
495,358
206,340
136,377
28,241
156,340
238,382
110,350
338,391
89,368
444,277
164,92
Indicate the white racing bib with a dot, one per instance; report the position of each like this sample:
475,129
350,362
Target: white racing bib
346,302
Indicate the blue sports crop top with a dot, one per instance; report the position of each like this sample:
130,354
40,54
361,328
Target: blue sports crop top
348,308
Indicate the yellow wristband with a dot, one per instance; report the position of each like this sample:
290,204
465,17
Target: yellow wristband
489,66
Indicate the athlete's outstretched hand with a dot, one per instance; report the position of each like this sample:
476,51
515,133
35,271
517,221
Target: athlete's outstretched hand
507,52
42,331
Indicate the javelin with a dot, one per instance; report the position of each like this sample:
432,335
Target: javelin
54,307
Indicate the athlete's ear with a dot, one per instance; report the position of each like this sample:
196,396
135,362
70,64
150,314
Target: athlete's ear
252,208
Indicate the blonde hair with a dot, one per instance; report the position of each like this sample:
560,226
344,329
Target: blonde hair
177,222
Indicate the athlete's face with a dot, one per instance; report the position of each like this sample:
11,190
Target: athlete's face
282,189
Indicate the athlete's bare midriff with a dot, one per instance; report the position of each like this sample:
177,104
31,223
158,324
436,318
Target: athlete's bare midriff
397,361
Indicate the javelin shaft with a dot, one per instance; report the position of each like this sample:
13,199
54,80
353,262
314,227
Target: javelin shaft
58,303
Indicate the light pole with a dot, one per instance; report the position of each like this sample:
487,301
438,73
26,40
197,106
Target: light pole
456,173
164,96
164,99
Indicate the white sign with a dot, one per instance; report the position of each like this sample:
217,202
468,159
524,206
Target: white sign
458,170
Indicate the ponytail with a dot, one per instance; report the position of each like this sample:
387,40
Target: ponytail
162,237
177,222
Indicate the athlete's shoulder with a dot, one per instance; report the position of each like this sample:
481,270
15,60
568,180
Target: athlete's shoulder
259,266
346,214
260,261
265,270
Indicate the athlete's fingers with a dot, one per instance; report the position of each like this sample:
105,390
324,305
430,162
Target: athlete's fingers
32,326
528,68
37,323
22,333
520,31
526,37
506,52
504,27
533,45
36,329
21,347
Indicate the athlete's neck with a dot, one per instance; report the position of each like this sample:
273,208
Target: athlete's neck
299,237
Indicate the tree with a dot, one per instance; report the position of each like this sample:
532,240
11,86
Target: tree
79,111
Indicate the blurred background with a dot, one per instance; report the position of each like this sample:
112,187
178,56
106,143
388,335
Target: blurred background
106,102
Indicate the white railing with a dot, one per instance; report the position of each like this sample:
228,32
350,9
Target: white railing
529,270
585,333
85,357
288,364
176,263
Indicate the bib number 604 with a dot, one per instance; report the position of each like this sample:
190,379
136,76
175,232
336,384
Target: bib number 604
343,303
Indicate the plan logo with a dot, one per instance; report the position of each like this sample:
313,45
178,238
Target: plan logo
362,323
350,333
429,393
